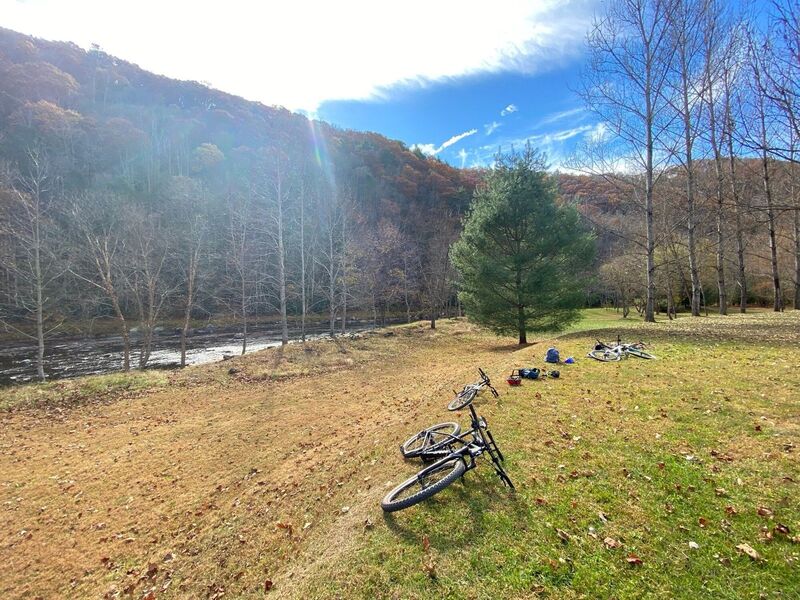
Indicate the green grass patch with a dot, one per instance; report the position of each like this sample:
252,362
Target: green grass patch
70,392
636,479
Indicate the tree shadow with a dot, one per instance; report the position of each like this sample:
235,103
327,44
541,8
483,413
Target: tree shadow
506,348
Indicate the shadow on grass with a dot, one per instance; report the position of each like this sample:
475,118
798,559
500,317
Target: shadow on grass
469,500
755,329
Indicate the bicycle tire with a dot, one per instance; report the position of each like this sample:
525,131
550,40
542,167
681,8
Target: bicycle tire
446,431
463,398
452,467
605,356
639,353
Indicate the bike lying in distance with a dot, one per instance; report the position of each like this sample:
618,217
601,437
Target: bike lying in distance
616,352
450,453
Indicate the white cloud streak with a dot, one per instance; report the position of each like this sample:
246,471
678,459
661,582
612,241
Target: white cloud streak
574,112
432,150
300,54
511,108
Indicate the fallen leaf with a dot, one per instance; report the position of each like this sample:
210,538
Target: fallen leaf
730,510
368,524
611,543
285,526
426,543
694,545
633,559
565,537
781,528
268,585
721,492
749,550
429,566
703,522
764,511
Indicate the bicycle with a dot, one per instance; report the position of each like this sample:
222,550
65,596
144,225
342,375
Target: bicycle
613,353
452,454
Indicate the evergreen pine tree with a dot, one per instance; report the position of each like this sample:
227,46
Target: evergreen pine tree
523,257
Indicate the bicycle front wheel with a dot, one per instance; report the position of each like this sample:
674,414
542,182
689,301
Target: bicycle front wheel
430,440
424,484
463,398
604,355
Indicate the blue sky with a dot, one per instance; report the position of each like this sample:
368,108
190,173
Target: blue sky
457,78
489,111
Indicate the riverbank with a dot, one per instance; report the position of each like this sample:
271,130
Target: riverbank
265,472
69,357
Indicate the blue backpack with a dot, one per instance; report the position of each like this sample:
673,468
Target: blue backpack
551,356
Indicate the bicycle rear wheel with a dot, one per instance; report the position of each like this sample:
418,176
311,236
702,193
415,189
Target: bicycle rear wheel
639,353
424,484
430,440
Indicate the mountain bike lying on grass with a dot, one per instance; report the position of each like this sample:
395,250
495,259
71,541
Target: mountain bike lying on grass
451,453
615,352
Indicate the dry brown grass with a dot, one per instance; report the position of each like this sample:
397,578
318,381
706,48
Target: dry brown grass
262,471
217,481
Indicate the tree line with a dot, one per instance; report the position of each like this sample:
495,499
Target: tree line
698,101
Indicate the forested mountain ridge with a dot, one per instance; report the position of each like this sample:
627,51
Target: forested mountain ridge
131,195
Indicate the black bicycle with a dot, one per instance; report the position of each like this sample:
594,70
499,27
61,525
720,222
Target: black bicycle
451,453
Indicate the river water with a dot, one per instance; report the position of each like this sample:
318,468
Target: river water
71,357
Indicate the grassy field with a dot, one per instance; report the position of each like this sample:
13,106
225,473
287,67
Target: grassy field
262,476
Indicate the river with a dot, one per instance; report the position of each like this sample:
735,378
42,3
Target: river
72,357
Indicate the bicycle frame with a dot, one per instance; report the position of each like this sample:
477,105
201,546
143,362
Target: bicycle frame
473,448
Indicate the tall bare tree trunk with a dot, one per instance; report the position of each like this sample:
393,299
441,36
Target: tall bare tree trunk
282,268
688,140
39,283
773,245
737,212
797,258
331,280
344,274
191,277
303,307
244,314
718,169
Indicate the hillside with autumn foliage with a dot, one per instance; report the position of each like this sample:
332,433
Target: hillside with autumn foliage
162,199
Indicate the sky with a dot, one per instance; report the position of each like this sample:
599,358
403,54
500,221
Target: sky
457,79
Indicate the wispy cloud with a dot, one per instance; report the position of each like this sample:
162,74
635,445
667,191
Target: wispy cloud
321,44
490,128
561,135
432,150
511,108
598,133
552,118
557,143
